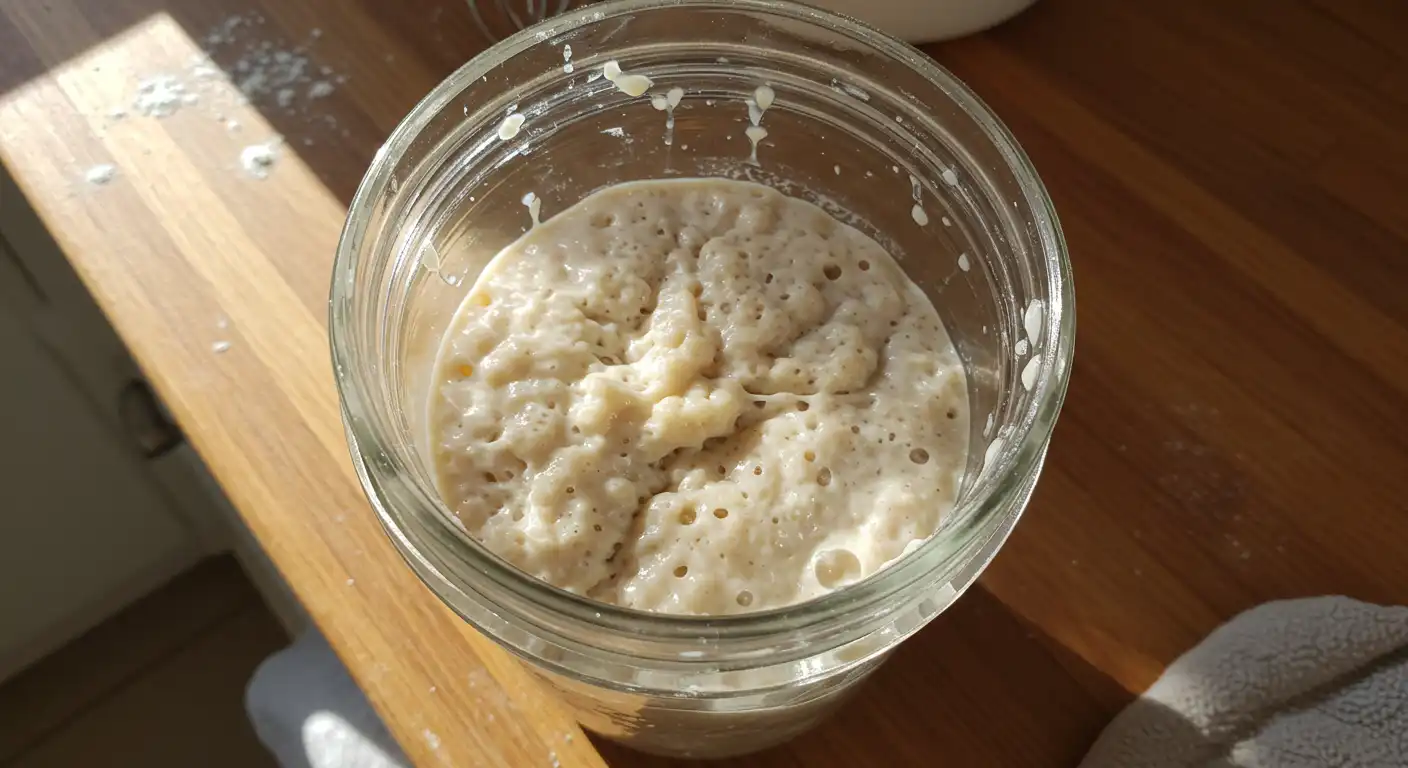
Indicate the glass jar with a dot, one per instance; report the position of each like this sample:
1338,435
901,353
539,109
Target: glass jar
863,126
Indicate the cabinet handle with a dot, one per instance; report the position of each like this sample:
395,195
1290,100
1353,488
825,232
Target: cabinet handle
20,274
145,420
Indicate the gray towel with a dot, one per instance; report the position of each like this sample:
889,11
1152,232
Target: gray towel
1292,684
309,713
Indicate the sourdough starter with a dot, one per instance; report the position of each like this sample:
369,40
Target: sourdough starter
697,397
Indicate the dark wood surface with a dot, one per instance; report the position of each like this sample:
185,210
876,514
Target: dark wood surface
1233,183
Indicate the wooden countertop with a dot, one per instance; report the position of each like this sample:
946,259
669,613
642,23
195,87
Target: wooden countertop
1233,182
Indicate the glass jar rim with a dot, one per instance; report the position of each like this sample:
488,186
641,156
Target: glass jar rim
1025,446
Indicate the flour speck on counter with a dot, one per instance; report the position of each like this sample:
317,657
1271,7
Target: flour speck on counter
258,160
100,174
283,78
267,69
161,95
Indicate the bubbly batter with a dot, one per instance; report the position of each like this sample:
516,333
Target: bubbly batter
698,397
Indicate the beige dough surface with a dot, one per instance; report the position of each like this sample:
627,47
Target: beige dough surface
697,397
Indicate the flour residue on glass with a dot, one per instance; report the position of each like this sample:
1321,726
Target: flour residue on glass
567,59
430,257
950,177
535,206
631,85
963,263
666,102
849,90
917,192
763,97
1032,320
991,455
1029,373
431,262
509,128
755,134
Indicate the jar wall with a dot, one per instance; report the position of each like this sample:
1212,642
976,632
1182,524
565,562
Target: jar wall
871,134
707,727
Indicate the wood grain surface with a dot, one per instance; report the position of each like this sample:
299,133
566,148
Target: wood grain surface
1233,183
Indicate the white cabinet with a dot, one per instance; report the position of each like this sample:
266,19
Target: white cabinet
82,530
85,528
101,500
